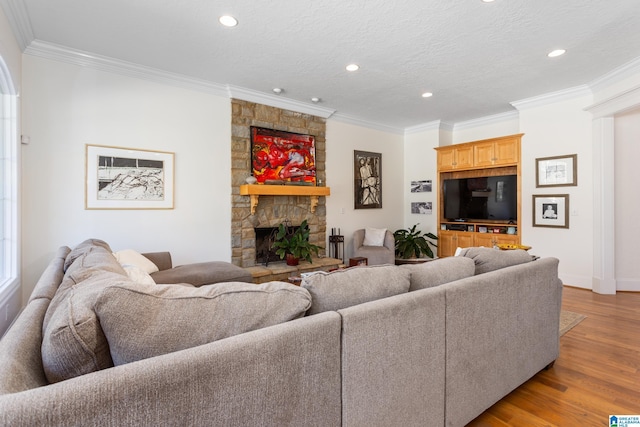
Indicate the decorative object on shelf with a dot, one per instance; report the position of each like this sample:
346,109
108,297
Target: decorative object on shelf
425,208
367,172
558,171
282,156
293,243
412,243
251,180
358,261
128,178
423,186
512,246
551,210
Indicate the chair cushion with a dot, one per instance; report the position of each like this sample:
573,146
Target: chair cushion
374,236
355,285
149,320
439,271
489,259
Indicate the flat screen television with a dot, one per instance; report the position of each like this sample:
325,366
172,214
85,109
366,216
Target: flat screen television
482,198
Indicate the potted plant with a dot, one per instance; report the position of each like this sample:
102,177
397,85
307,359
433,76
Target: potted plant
412,243
294,244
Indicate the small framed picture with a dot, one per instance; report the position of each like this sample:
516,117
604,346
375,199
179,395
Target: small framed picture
558,171
551,210
482,229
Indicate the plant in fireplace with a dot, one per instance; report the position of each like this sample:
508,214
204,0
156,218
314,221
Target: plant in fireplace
293,243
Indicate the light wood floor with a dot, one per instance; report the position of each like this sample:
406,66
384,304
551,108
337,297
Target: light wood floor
596,375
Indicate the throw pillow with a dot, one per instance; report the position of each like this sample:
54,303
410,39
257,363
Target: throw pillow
439,271
131,257
352,286
374,236
146,321
138,275
489,259
203,273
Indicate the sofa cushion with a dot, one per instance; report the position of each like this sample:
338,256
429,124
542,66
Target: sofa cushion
489,259
150,320
82,248
355,285
439,271
203,273
131,257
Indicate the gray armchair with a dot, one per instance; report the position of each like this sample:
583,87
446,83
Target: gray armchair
375,254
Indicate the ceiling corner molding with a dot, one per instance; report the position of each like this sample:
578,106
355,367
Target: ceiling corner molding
487,120
549,98
623,102
627,70
426,127
366,124
129,69
278,101
16,13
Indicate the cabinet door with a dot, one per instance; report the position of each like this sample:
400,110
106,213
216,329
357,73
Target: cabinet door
464,240
464,157
446,159
484,154
506,152
507,238
446,243
487,240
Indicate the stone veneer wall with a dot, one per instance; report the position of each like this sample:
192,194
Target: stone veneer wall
272,210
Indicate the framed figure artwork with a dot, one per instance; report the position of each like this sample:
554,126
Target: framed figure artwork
367,180
551,210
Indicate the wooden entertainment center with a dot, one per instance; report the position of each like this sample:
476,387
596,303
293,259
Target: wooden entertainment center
486,158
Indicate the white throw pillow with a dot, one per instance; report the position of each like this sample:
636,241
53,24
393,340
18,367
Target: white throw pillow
131,257
374,236
137,274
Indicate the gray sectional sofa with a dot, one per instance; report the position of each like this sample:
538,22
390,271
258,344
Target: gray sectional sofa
416,345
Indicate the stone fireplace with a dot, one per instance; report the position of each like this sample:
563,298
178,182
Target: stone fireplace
271,210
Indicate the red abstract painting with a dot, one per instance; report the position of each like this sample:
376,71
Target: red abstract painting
279,157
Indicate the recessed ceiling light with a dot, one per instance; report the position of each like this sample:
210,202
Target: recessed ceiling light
427,95
353,67
228,21
315,99
277,90
556,52
488,1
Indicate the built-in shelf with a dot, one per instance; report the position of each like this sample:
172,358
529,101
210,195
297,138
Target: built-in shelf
257,190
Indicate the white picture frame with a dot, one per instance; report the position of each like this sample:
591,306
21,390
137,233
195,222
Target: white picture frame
128,178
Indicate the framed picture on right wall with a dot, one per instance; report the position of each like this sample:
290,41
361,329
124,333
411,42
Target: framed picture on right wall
551,210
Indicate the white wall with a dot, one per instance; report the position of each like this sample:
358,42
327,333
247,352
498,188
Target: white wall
66,107
490,127
420,163
342,140
627,228
554,129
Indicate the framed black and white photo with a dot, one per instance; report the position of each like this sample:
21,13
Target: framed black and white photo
558,171
422,186
367,171
551,210
127,178
425,208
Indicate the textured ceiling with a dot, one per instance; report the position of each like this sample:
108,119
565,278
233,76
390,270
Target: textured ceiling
475,57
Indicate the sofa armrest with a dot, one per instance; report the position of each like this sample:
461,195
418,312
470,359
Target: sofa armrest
287,374
161,259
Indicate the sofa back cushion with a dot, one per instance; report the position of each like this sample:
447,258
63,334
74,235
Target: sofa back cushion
82,248
355,285
439,271
142,321
489,259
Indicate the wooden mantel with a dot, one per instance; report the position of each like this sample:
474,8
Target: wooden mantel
257,190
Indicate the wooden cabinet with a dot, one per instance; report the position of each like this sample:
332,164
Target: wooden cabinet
497,152
452,158
485,158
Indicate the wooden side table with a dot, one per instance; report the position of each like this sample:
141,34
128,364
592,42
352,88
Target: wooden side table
360,260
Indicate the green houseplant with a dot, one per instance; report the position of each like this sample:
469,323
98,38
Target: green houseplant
412,243
295,244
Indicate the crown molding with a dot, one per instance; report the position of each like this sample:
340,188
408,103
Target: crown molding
487,120
367,124
278,101
16,13
431,126
629,69
549,98
621,103
129,69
